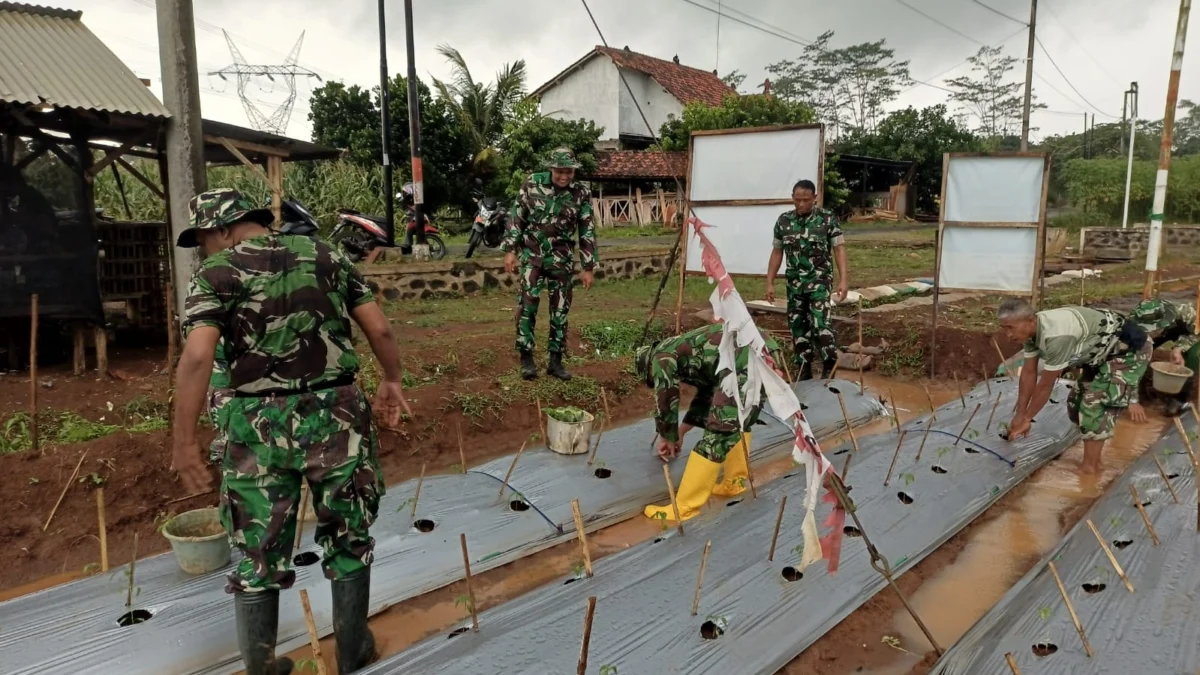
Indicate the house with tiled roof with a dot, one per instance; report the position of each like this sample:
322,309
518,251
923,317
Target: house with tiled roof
591,89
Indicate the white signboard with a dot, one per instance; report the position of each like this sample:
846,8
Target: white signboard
994,190
988,258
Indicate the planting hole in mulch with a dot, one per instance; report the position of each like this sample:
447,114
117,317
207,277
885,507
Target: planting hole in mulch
804,406
1122,543
457,631
657,539
425,525
792,574
842,451
570,581
938,469
1094,587
736,501
851,531
905,498
834,390
1172,476
711,631
971,451
305,559
135,617
1044,648
518,505
1146,502
603,473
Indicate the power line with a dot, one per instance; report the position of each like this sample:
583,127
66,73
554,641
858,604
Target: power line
939,22
769,31
1068,80
993,10
1078,42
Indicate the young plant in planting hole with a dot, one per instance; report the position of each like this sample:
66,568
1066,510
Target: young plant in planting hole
309,665
721,622
908,478
578,570
608,669
972,434
1045,613
1115,522
465,601
662,518
407,503
90,569
943,451
894,642
1004,428
456,468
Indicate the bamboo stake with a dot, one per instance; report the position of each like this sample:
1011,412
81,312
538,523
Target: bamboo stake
1187,442
33,356
786,371
1137,503
1003,361
958,384
749,470
462,455
928,427
1108,552
599,435
417,496
1012,664
103,530
862,372
968,424
778,522
987,380
895,413
604,399
700,579
992,415
314,640
581,669
462,539
829,378
850,430
542,423
304,497
1162,472
64,490
132,566
900,443
1087,646
674,504
582,534
510,470
929,397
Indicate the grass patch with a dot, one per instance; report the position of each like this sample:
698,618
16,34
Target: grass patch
581,391
57,427
614,339
484,358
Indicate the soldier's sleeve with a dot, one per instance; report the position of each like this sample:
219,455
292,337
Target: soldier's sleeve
666,388
357,291
588,254
517,222
207,299
777,236
1187,316
836,236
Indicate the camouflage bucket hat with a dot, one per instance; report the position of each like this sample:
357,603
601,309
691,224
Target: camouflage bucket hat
220,208
563,158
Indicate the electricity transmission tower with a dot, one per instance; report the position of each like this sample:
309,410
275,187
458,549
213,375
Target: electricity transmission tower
278,121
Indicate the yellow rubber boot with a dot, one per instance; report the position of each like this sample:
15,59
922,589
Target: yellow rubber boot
736,470
694,490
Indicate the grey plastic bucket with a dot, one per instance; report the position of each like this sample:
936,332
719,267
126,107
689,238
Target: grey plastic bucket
198,540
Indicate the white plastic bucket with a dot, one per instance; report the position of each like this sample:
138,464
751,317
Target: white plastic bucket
198,540
569,438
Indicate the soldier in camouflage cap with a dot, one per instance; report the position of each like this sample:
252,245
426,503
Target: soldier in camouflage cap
551,211
280,306
810,238
1165,321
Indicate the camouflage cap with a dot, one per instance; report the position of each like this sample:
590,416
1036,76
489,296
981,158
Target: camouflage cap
563,158
220,208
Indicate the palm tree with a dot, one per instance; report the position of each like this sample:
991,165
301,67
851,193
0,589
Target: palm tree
481,109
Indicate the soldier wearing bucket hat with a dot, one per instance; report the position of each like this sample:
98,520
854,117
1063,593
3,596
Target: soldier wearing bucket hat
281,305
552,211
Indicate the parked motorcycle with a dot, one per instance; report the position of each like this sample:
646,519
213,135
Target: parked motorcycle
296,219
491,219
357,234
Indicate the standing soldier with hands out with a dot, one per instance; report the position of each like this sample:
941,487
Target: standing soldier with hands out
281,306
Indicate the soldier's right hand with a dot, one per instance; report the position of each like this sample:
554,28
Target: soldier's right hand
390,402
187,461
770,293
510,262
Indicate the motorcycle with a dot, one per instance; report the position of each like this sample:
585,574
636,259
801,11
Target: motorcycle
357,234
296,219
490,222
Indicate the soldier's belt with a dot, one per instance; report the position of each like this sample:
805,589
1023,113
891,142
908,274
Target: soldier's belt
342,381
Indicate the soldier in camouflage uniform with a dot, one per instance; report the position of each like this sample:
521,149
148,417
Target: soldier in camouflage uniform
1165,321
1110,351
281,306
692,358
810,238
551,211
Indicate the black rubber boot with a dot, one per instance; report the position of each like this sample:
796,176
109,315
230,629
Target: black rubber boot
829,365
555,369
528,367
806,372
355,642
258,627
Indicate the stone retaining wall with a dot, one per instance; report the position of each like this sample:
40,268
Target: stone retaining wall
1133,240
412,281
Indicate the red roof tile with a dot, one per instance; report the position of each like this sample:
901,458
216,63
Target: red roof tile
685,83
640,164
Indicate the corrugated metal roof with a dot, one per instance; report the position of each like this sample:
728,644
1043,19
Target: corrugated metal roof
47,56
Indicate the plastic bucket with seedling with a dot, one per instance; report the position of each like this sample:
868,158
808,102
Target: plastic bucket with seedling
198,540
569,429
1169,378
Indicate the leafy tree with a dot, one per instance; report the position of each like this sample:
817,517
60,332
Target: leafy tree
734,79
481,109
1108,141
989,95
922,136
528,139
1187,129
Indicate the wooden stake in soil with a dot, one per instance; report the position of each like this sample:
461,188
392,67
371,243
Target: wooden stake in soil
33,356
700,579
1187,443
1137,502
749,470
928,426
968,424
607,422
581,669
862,372
1162,472
510,469
674,504
958,385
992,415
895,413
301,513
1087,646
66,487
542,423
599,436
850,430
462,539
1108,552
832,372
462,454
1012,664
582,534
100,335
1003,361
929,397
895,456
103,530
314,640
987,380
417,496
132,566
778,522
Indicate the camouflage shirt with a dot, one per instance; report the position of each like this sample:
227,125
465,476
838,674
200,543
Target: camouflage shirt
545,221
282,304
1165,321
690,358
807,243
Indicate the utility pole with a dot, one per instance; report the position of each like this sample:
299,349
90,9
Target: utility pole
421,246
1028,76
1131,97
1124,119
1085,137
385,127
1164,151
185,138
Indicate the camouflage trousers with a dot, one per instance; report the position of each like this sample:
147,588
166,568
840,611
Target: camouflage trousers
809,310
326,438
716,413
1102,393
217,401
535,281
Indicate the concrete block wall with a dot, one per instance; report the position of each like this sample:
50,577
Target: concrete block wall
1135,238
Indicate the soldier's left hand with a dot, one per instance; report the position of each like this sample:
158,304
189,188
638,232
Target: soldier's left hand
588,277
843,288
187,461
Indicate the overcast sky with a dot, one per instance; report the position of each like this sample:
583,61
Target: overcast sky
1100,45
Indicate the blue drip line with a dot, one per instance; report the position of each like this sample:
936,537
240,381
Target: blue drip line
986,449
557,527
